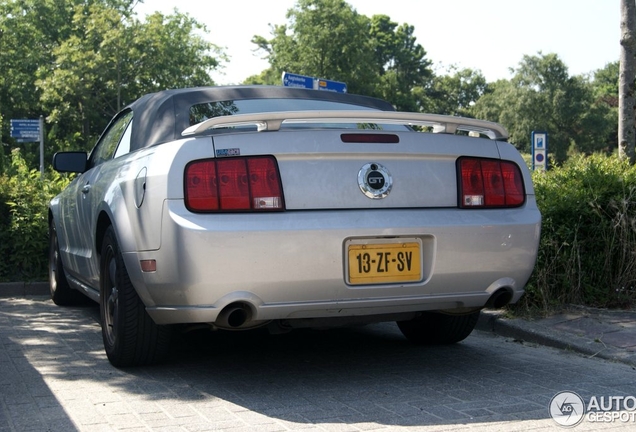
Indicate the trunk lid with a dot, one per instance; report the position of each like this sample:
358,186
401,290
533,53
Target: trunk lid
320,171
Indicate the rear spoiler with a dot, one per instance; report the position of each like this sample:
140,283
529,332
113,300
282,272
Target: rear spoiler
271,121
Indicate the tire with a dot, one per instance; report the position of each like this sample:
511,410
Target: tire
435,328
61,292
131,337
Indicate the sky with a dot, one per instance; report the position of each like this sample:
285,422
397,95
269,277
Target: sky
488,35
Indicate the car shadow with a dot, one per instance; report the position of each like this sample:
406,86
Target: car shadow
354,375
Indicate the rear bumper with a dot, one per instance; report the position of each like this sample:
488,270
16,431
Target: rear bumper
292,264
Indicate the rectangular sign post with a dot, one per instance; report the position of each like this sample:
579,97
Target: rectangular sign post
25,130
302,81
334,86
30,130
42,147
539,142
298,81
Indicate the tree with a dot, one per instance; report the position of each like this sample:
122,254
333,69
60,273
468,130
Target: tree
401,63
605,84
73,88
29,31
79,61
456,92
543,96
1,151
267,77
329,39
605,88
324,38
494,101
111,59
626,133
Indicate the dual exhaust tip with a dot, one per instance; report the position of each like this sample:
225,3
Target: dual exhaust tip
238,315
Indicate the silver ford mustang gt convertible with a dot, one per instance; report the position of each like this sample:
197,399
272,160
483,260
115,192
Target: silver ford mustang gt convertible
242,207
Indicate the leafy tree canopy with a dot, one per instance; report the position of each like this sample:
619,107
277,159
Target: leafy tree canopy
78,62
543,96
606,84
323,38
456,92
329,39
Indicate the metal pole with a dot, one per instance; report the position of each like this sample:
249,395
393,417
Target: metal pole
42,147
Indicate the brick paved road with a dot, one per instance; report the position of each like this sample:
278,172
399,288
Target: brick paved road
54,376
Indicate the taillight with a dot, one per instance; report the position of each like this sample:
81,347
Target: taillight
487,183
233,184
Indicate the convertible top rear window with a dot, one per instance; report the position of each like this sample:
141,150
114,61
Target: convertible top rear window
204,111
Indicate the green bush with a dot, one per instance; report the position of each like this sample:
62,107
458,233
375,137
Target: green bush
587,253
24,198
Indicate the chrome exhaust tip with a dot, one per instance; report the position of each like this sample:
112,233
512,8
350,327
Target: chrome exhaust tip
234,316
499,299
237,316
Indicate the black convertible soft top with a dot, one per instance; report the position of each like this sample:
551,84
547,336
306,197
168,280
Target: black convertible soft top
161,117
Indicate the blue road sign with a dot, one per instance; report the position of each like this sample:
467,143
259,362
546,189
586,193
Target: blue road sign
334,86
25,130
302,81
299,81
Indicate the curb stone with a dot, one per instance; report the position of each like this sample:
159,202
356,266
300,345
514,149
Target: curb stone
21,289
533,331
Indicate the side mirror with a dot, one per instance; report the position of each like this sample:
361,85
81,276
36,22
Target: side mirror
74,162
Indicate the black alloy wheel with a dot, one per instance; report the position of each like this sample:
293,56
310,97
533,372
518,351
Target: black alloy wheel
130,336
61,292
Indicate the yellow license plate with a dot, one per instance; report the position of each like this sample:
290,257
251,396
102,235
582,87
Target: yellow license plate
383,263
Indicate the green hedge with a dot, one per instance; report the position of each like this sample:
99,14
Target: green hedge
24,198
587,253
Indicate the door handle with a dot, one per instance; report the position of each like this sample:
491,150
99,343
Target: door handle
86,188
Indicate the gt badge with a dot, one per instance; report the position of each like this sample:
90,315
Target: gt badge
228,152
375,181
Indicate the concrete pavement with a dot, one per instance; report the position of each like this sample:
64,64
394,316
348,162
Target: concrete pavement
54,376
